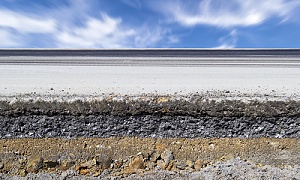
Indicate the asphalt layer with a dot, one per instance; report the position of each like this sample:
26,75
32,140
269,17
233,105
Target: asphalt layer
148,126
157,117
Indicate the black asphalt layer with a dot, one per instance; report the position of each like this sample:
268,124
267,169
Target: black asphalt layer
150,118
148,126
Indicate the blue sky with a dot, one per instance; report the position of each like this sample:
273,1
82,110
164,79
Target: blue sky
149,23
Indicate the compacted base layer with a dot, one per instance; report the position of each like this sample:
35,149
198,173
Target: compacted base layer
125,156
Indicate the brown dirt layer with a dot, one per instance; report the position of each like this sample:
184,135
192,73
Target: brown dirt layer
125,155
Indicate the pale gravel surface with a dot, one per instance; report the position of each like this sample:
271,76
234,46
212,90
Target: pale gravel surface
126,80
232,169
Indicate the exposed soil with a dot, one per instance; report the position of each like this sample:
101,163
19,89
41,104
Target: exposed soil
126,156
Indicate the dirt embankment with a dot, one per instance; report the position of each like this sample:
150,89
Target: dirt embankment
125,156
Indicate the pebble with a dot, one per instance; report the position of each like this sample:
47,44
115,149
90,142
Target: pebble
137,163
167,156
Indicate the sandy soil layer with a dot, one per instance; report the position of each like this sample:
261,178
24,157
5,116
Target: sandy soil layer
126,156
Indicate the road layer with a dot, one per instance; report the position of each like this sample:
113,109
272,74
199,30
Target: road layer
153,57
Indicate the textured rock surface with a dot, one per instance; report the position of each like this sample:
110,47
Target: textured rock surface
86,155
192,105
148,126
232,169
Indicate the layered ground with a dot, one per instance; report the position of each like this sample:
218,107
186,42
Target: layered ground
150,114
147,136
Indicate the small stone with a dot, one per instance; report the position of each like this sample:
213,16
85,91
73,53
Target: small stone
51,164
198,164
181,165
137,163
118,164
189,163
151,165
1,165
68,163
162,164
34,164
89,164
167,156
84,171
103,160
170,166
22,173
154,157
68,174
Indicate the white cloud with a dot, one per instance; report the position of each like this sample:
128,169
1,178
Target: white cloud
106,32
149,37
224,13
78,24
25,23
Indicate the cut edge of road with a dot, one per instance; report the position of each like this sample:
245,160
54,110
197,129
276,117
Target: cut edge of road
129,156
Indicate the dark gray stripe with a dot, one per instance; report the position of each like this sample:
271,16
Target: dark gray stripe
148,126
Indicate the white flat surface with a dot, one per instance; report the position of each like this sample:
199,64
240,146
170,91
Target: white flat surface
96,80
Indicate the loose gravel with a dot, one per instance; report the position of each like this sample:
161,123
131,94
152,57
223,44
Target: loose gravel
148,126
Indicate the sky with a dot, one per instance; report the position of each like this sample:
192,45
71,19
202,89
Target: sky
149,24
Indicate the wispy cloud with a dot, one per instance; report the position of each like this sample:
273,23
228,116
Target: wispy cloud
26,23
224,13
133,3
104,32
228,41
8,39
76,24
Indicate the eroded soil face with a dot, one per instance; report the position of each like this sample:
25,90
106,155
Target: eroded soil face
124,156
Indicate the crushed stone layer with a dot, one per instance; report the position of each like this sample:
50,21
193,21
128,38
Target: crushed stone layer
67,126
149,157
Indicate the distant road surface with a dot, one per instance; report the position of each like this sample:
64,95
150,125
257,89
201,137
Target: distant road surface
153,57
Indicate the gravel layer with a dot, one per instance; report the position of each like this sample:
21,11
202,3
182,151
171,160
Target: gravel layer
148,126
194,105
232,169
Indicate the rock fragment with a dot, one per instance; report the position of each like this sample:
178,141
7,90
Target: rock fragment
137,163
34,164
